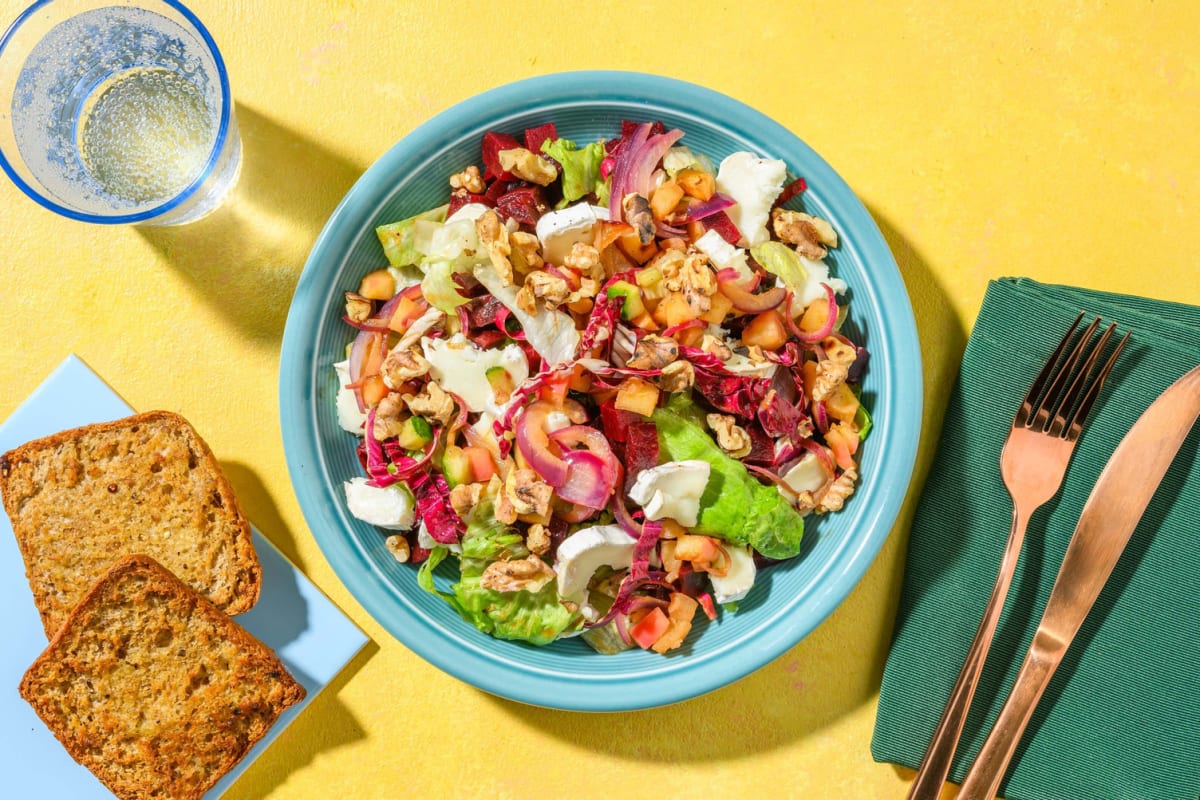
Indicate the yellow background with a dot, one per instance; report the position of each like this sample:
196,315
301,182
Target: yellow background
1055,140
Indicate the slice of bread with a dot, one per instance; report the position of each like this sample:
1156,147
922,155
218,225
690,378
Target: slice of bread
148,484
153,688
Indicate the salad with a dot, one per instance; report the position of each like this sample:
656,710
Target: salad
607,380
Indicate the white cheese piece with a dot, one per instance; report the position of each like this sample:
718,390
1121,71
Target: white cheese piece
584,552
551,333
389,507
811,291
722,254
471,211
558,230
349,416
461,369
807,475
735,584
672,490
753,183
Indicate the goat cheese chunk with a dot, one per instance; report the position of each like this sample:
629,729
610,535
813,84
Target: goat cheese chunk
584,552
753,183
389,507
461,368
349,416
559,230
735,584
672,490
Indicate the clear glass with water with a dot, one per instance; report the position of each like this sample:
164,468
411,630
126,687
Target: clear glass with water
117,111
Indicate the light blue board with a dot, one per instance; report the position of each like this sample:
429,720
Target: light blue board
312,637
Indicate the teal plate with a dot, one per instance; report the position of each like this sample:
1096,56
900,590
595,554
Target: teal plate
791,598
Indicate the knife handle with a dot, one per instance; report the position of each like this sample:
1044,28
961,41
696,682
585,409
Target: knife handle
983,779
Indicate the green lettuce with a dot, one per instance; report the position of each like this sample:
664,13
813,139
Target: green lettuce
779,259
580,167
537,618
735,506
438,286
399,238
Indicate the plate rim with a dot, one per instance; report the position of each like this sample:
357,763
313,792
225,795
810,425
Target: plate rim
298,361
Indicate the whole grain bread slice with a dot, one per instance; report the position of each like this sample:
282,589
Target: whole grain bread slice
80,499
153,688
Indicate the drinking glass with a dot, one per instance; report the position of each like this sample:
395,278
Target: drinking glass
117,111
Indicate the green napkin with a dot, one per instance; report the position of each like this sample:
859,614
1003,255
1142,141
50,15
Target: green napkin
1121,717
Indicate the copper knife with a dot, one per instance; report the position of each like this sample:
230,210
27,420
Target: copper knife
1112,511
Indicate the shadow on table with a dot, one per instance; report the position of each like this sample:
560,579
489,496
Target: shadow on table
246,256
324,725
837,669
258,507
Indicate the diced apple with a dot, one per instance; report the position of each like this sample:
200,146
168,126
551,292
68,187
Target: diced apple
673,310
718,310
814,317
377,285
696,183
766,331
374,389
638,396
843,441
696,548
842,405
632,247
664,199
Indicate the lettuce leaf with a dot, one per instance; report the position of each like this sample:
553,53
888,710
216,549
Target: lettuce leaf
399,238
537,618
735,506
779,259
580,167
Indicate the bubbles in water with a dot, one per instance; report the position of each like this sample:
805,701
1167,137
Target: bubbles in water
146,133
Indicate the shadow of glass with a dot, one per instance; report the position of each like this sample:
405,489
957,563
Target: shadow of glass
246,256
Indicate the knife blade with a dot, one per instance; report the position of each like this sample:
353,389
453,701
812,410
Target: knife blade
1110,515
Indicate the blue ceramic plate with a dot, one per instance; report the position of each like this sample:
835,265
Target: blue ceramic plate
790,599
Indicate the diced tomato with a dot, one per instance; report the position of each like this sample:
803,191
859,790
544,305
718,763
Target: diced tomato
706,603
480,461
535,136
493,143
649,628
722,224
679,616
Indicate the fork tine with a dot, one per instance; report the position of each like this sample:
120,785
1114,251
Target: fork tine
1040,416
1075,424
1026,409
1066,403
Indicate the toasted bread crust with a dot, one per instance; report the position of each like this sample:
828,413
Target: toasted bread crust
149,484
153,688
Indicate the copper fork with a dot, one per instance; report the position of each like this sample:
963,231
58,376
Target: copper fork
1032,465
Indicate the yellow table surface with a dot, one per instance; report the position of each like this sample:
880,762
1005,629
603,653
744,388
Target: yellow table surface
1054,140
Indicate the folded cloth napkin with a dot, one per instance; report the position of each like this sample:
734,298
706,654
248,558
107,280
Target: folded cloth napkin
1121,717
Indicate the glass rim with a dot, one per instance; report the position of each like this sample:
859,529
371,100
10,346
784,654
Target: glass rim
167,205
